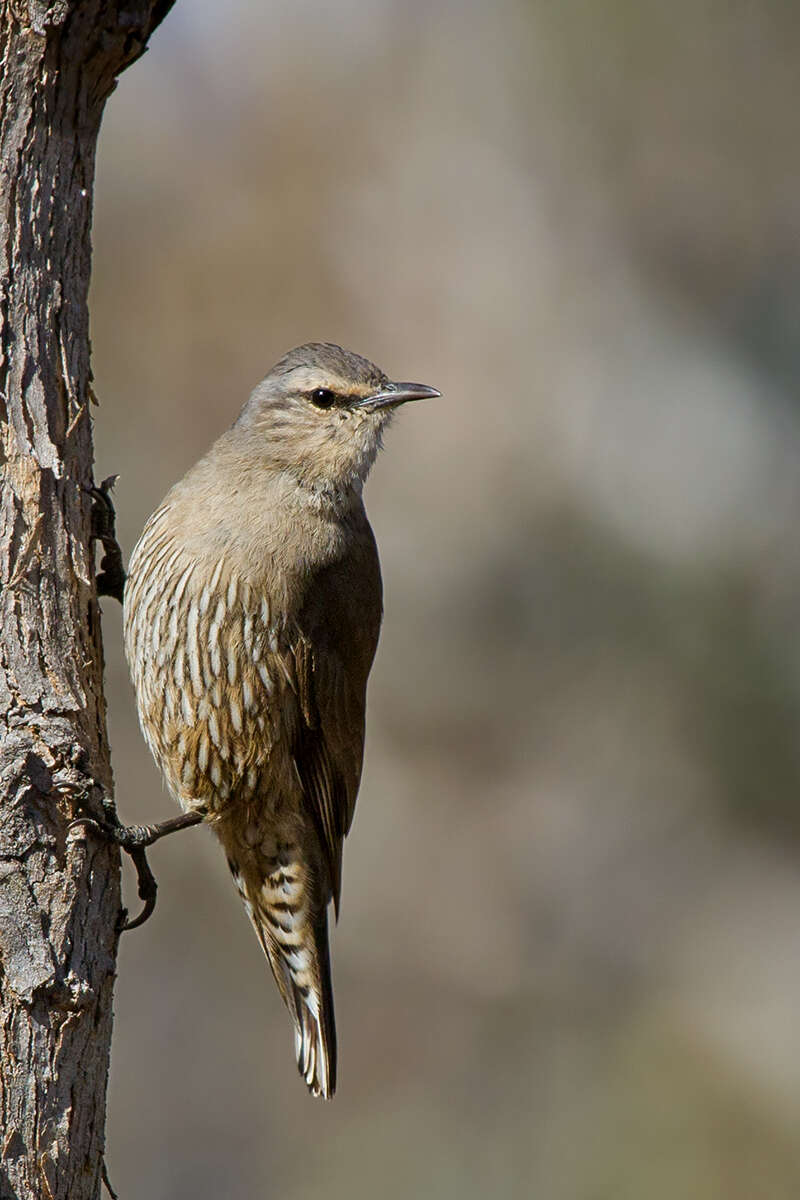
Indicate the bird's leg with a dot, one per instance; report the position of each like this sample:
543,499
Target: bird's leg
138,837
134,840
111,579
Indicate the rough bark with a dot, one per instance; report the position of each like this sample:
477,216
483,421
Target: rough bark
59,896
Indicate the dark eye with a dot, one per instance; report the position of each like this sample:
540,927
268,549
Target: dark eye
323,397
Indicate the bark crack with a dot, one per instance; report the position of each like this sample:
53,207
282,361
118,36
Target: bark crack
59,897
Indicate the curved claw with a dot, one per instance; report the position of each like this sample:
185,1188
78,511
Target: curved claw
148,909
147,887
101,828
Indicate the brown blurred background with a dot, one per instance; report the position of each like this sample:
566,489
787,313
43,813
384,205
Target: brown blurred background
568,964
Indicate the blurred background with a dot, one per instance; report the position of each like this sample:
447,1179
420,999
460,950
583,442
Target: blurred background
568,964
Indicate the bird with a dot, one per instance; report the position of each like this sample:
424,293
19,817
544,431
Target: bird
251,617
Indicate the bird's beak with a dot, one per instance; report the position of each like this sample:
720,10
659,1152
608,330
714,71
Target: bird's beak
393,394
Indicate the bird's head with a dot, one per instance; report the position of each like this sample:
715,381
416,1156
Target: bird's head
320,412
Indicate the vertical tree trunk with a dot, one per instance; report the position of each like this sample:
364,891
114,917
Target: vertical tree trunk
59,898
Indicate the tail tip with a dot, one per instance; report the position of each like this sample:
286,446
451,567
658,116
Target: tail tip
316,1056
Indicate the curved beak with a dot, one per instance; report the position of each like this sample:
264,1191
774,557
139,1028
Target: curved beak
394,394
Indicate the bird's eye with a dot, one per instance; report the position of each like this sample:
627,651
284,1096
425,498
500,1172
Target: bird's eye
323,397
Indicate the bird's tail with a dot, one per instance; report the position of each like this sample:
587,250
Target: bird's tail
296,945
315,1026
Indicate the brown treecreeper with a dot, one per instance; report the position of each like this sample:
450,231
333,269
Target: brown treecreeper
252,610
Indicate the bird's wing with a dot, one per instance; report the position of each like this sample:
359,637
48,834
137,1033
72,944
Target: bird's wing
329,660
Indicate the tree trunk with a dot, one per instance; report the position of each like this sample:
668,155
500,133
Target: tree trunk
59,896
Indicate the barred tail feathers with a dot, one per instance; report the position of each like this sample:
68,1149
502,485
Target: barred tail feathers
296,947
315,1026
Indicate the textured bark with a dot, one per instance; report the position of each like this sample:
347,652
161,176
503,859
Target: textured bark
59,896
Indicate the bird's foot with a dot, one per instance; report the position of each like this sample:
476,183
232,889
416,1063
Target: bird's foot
134,840
111,578
127,837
